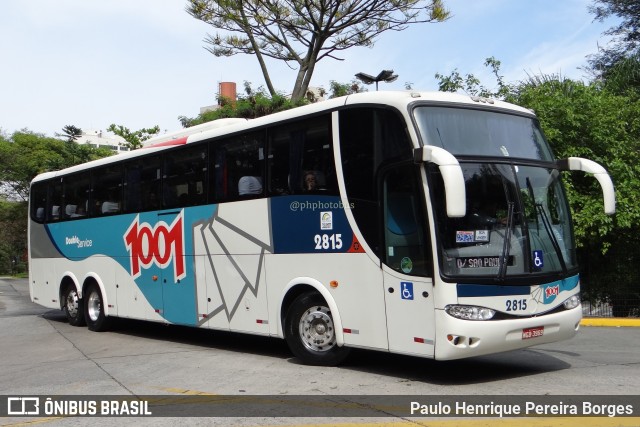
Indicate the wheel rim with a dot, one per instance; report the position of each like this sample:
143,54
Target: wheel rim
316,329
94,306
72,303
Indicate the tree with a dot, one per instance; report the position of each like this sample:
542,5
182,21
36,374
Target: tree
337,89
626,34
305,32
471,85
256,103
71,132
588,120
26,154
13,241
134,138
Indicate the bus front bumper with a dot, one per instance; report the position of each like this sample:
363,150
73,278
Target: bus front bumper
457,338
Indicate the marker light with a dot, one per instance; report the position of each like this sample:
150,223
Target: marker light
572,302
470,312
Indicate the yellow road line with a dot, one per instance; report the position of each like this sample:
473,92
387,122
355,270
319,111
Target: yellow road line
30,422
600,321
492,422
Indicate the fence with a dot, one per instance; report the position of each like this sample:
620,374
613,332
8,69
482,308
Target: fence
622,306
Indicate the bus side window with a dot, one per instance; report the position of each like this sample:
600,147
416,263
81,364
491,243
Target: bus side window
142,184
38,200
238,167
76,195
56,201
185,177
301,158
106,191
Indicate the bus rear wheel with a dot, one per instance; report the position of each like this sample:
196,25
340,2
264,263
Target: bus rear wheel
73,306
310,332
94,314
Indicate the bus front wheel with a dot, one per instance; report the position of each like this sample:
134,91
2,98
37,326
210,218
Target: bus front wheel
310,332
73,306
94,309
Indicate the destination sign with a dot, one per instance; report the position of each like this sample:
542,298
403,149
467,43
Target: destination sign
482,262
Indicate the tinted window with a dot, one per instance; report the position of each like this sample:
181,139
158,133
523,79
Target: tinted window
106,190
184,177
406,247
238,167
76,195
301,158
56,200
486,133
369,137
38,201
142,184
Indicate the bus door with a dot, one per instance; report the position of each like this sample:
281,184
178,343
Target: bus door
179,304
407,264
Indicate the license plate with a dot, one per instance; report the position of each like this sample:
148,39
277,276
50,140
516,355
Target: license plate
532,332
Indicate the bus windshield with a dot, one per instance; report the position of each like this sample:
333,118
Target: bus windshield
472,132
517,221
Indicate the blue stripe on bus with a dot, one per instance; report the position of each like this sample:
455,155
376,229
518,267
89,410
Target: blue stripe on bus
549,290
491,290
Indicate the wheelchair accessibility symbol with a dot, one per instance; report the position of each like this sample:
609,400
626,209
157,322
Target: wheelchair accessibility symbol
406,290
538,261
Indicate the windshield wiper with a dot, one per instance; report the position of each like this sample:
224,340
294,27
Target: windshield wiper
554,240
506,247
533,200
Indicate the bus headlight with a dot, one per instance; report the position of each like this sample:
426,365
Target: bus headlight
470,312
572,302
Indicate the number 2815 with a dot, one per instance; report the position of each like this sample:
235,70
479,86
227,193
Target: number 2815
516,304
328,241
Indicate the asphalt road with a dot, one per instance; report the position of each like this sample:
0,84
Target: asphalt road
40,354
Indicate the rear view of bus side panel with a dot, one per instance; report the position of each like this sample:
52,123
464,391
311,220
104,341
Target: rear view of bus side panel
42,286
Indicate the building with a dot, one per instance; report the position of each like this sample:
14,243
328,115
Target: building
101,139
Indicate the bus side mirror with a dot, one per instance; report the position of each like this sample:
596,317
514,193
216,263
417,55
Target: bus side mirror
589,166
452,176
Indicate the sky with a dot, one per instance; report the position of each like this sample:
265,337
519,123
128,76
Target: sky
141,63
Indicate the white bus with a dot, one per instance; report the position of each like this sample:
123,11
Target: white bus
427,224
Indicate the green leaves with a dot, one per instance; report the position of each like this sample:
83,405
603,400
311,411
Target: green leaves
26,154
302,33
134,138
256,103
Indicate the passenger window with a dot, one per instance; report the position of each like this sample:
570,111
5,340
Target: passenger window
56,201
238,167
76,195
106,191
185,177
142,184
38,201
301,158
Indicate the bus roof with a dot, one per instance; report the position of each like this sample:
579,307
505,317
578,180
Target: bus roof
397,99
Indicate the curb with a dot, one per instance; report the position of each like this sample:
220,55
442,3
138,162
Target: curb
617,322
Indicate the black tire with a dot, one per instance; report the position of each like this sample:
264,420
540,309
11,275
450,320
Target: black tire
94,315
73,306
310,334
